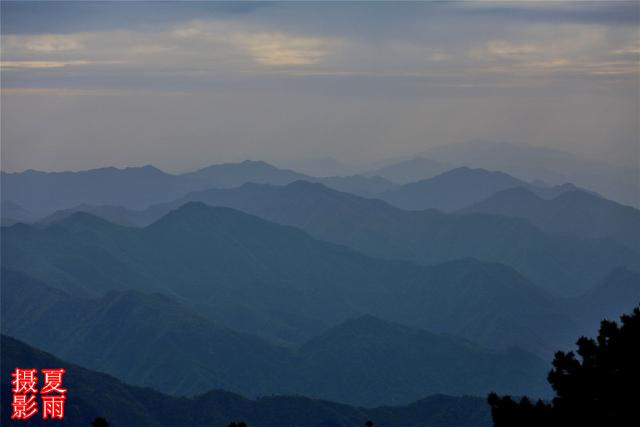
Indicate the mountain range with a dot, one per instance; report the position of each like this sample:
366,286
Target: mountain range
528,162
41,193
414,169
450,190
618,293
12,213
153,340
32,195
553,166
461,187
93,394
218,262
440,275
146,339
572,213
563,265
278,282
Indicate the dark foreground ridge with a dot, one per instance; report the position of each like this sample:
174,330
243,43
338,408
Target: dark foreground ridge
92,394
600,388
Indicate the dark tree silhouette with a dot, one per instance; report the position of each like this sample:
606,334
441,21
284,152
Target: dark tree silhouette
237,424
369,423
602,388
99,422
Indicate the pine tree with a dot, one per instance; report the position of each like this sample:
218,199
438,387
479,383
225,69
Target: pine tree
599,388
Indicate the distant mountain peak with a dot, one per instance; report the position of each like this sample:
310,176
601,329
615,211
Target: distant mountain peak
194,206
468,173
466,170
150,168
304,184
410,170
258,164
196,213
451,190
255,163
82,219
186,211
461,169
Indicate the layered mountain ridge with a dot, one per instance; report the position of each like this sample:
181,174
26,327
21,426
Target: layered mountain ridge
93,394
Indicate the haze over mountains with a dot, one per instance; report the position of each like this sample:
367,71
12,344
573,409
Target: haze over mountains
415,169
597,217
313,214
453,189
560,264
270,279
417,183
527,162
167,342
545,164
129,406
381,288
41,193
618,293
364,360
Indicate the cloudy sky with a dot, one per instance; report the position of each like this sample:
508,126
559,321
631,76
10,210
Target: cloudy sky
183,85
